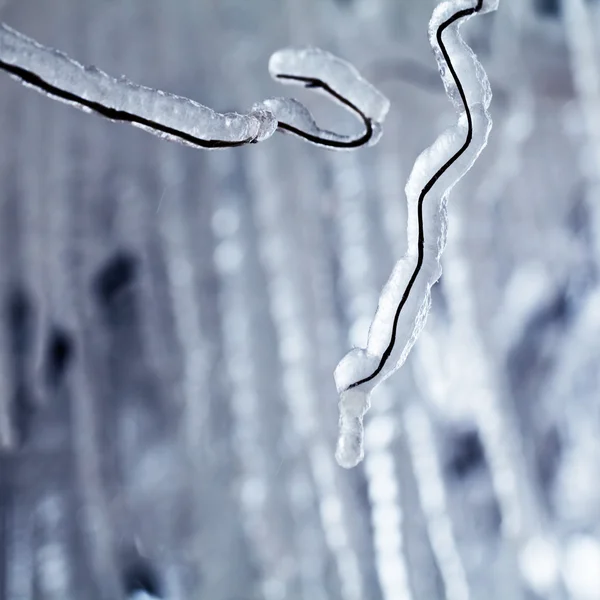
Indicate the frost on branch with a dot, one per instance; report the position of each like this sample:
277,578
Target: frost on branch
180,119
405,299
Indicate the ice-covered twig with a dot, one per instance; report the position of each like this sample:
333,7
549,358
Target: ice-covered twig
179,119
316,69
405,299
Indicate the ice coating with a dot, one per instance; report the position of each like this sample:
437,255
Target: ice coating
468,69
180,119
405,299
314,63
295,118
337,78
90,89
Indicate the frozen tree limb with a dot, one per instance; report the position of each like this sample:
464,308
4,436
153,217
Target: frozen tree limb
180,119
405,299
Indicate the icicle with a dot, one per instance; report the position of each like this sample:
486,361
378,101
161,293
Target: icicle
66,304
300,528
432,492
405,299
583,48
252,399
53,571
180,119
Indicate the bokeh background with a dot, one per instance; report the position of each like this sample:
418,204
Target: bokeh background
170,319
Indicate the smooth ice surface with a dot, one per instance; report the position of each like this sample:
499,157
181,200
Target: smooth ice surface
340,81
340,75
405,299
293,113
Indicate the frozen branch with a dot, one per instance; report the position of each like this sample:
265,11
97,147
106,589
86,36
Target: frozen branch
405,299
182,120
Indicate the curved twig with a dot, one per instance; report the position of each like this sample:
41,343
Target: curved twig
33,80
407,291
180,119
421,242
311,83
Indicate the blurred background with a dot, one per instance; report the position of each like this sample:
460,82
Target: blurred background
171,318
